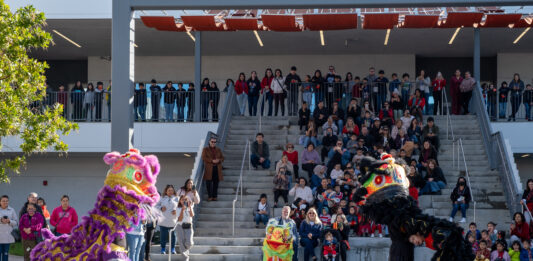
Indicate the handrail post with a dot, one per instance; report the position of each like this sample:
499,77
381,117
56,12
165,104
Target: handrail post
233,220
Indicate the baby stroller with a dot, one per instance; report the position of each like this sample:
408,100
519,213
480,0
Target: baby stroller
330,251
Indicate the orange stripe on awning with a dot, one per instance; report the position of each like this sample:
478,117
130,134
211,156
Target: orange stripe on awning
500,20
201,23
316,22
380,21
162,23
523,23
461,19
420,21
281,23
241,24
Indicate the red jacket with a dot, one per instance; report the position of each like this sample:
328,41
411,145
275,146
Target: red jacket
455,83
266,82
521,231
64,220
241,87
292,157
438,85
354,130
417,102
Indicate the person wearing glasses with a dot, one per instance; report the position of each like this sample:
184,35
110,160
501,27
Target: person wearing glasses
213,158
310,230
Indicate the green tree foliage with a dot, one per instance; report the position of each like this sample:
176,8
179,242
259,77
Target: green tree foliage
23,110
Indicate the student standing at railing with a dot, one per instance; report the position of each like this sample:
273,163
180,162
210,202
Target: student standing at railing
204,99
422,83
455,93
292,81
241,89
492,99
98,100
62,98
212,157
318,87
307,90
405,88
180,102
266,90
76,97
169,98
395,84
439,84
381,83
254,87
214,98
356,89
516,86
155,99
190,101
108,99
502,99
88,103
528,101
280,92
141,101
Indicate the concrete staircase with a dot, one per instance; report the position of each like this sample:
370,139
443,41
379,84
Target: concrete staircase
486,184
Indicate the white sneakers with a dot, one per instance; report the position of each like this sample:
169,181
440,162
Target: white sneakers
463,220
372,235
380,235
450,219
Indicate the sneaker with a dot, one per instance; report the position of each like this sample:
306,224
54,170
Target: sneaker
372,235
380,235
450,219
463,220
186,253
173,251
163,251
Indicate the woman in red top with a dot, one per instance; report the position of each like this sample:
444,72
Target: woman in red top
416,105
519,228
349,129
266,91
241,89
292,156
455,92
438,86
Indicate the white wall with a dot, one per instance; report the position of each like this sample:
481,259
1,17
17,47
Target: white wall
518,134
511,63
220,68
148,137
81,175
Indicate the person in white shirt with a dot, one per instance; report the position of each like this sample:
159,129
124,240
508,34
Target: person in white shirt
184,231
337,172
8,221
168,205
302,191
189,190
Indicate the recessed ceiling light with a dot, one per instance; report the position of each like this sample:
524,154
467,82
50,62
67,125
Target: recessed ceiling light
187,155
387,37
322,38
258,38
135,45
454,35
191,36
525,155
66,38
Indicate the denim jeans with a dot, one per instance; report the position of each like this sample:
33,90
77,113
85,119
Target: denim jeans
503,109
4,252
164,238
141,111
261,218
426,108
308,139
405,96
528,110
254,159
309,247
269,98
432,186
308,98
135,243
295,249
252,105
169,111
181,112
462,207
241,100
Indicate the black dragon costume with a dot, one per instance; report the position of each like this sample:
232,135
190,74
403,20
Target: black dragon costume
384,198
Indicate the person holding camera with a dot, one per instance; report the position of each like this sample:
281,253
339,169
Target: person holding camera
189,190
184,230
281,186
8,222
460,198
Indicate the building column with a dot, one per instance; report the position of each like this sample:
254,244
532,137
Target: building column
122,69
197,74
477,55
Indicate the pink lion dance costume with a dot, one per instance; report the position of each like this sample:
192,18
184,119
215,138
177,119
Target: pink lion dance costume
130,184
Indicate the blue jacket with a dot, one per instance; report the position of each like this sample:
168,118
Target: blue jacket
394,84
524,255
306,228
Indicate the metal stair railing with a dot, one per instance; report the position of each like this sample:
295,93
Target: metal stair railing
240,184
461,152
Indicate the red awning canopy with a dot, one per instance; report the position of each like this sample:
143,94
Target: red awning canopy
316,22
281,23
201,23
524,22
501,20
461,19
241,24
380,21
420,21
162,23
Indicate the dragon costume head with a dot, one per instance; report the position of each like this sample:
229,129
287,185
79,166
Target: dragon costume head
134,172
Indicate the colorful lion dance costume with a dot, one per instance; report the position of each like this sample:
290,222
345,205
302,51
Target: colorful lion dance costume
130,184
277,245
384,198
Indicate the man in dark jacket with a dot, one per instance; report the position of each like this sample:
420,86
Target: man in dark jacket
293,82
260,152
320,114
140,100
156,99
